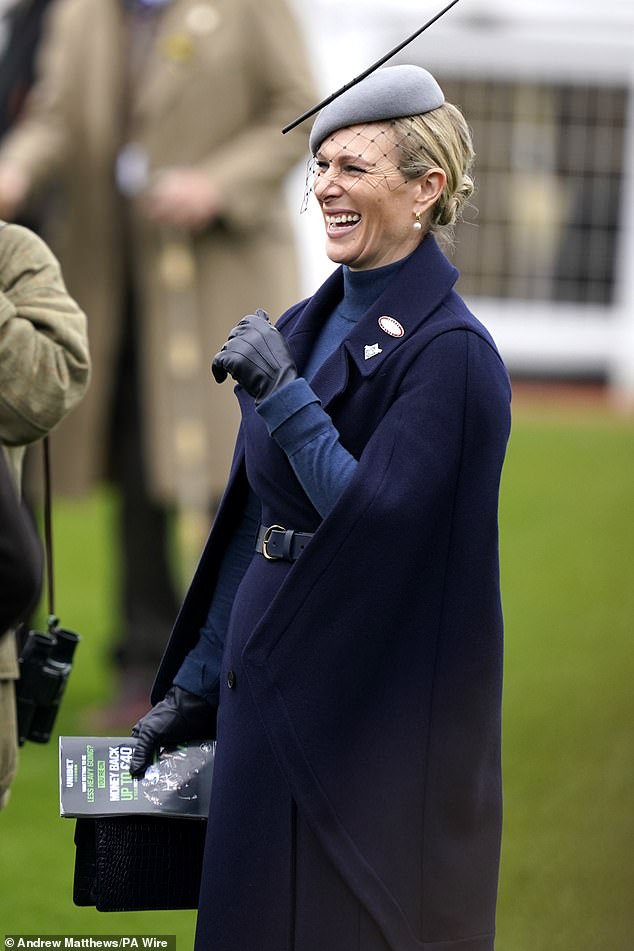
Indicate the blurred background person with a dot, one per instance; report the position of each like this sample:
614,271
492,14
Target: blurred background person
20,32
161,120
44,372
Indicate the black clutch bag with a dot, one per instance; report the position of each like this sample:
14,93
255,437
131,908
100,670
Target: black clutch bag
138,863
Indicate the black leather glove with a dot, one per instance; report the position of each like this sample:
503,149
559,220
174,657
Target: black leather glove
256,356
180,716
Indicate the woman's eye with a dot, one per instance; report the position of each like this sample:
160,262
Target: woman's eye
321,166
355,169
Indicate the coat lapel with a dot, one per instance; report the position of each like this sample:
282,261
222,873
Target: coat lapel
303,326
416,291
425,281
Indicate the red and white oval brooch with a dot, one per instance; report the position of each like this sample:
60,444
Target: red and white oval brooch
391,326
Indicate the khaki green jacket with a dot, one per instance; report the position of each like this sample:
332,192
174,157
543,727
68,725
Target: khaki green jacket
44,358
44,371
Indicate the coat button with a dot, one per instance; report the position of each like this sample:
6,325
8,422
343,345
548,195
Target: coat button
231,679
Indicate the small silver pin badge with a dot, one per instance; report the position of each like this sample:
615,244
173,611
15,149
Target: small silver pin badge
372,350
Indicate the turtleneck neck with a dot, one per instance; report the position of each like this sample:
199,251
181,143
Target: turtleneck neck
361,288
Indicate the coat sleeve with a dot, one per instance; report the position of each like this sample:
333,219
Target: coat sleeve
256,160
44,357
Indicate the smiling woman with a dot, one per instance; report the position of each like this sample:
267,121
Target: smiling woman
368,203
424,161
345,621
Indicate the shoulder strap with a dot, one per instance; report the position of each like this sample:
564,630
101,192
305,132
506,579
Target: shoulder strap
48,536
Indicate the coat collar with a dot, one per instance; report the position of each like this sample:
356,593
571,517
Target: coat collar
424,281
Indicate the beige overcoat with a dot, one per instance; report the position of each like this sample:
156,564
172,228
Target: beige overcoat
221,80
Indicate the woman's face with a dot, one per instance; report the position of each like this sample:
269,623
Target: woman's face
368,205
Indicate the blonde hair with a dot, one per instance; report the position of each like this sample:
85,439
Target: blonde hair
439,139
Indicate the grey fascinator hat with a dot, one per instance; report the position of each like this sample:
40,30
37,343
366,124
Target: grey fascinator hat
389,93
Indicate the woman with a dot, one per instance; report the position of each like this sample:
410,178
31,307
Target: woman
356,655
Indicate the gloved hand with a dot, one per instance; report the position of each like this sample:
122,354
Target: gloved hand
180,716
256,355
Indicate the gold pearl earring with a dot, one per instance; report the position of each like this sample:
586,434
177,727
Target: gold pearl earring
417,224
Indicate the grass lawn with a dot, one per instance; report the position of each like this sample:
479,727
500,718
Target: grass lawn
567,548
567,542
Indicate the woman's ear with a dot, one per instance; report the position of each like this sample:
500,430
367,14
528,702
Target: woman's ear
431,184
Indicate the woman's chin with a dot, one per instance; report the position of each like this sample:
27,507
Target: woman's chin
338,252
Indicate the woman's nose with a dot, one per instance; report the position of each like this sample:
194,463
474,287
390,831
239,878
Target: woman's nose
327,182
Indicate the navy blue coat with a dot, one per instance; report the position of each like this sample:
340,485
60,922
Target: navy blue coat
371,669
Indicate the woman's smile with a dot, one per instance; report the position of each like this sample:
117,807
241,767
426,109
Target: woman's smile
340,222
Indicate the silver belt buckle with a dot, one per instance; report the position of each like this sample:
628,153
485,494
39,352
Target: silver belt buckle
265,540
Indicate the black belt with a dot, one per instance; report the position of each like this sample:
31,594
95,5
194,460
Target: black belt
276,542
